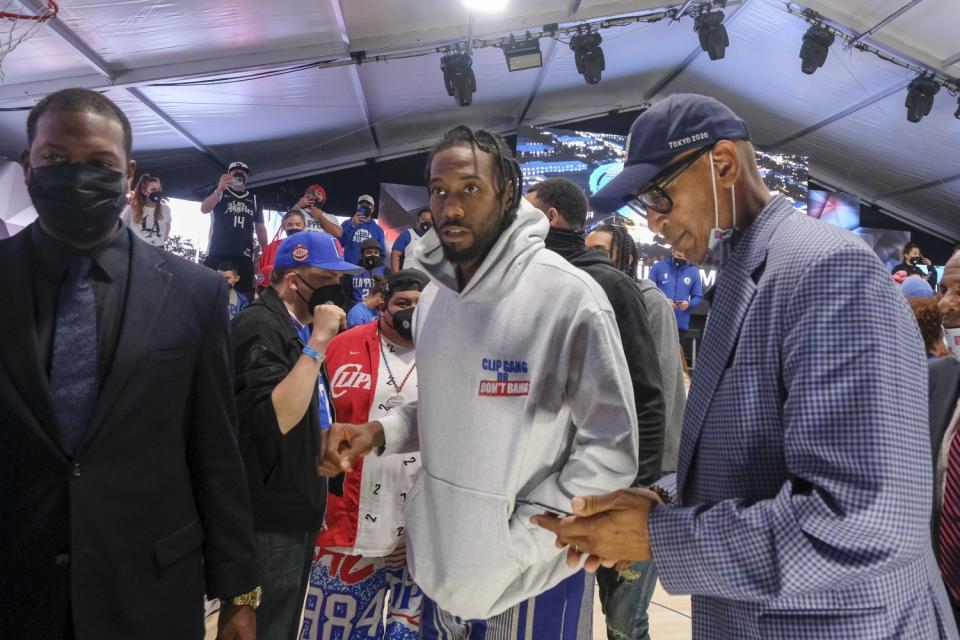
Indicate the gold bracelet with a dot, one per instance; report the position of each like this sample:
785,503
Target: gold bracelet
250,598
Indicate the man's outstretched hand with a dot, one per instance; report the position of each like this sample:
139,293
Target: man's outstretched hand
237,622
345,443
608,529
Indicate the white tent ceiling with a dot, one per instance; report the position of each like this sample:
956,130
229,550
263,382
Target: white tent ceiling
848,117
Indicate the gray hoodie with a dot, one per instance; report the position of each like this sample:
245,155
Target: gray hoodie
523,393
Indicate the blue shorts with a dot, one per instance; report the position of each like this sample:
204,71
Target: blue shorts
347,597
565,612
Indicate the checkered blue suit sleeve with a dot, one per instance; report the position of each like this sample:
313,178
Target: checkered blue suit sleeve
856,496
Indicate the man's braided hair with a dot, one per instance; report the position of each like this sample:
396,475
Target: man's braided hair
626,249
505,166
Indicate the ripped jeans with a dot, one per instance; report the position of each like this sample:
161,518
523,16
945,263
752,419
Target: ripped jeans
625,597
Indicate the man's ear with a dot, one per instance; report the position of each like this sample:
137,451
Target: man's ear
508,194
726,163
25,163
553,216
130,172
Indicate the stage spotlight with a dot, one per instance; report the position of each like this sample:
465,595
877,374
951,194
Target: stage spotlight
522,54
485,6
458,77
588,55
713,35
813,53
920,98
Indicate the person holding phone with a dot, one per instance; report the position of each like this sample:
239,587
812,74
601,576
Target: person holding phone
311,206
283,399
915,264
237,214
360,227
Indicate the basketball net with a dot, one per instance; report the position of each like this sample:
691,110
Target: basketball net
15,27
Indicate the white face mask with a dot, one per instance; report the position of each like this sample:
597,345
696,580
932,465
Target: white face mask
721,242
952,338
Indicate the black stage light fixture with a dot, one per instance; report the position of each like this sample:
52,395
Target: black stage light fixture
522,54
920,98
956,114
813,53
458,77
588,55
713,35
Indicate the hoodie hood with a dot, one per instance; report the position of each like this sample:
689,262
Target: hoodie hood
571,246
503,264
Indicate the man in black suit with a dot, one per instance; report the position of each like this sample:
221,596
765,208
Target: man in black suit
122,490
944,394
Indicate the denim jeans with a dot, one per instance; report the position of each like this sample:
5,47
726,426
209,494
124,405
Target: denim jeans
625,597
283,560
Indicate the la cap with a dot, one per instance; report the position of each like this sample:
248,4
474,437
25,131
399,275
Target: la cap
313,249
679,123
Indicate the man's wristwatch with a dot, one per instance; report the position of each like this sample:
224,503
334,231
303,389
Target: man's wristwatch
251,598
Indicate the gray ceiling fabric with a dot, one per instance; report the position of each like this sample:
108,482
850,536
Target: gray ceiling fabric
848,117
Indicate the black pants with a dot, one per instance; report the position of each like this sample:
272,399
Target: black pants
283,560
244,267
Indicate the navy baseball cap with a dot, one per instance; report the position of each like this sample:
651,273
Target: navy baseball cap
406,280
313,249
679,123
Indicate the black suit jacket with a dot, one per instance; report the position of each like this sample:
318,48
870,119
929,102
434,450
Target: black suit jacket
944,385
152,511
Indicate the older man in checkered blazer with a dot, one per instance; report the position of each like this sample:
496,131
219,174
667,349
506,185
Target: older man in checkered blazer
803,489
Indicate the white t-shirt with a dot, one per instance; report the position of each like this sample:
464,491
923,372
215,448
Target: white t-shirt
314,225
150,230
387,480
409,262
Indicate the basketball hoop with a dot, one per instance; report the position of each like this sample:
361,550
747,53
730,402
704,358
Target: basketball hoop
15,27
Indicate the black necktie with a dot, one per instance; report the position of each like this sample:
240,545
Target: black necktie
73,371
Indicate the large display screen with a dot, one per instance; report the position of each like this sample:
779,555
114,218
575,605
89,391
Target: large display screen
593,159
835,207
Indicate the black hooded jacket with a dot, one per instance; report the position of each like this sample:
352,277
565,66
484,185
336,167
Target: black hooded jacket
638,344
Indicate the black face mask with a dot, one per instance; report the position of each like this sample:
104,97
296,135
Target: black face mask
77,202
156,196
371,262
424,227
403,323
679,262
330,294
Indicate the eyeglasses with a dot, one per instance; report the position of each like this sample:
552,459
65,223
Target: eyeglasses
655,197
